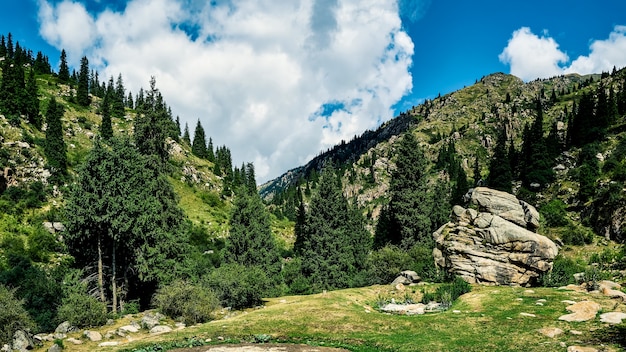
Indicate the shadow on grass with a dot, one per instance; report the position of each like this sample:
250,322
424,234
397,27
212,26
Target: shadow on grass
615,334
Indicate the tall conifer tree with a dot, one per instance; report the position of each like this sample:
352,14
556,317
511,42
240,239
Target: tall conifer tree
54,146
64,70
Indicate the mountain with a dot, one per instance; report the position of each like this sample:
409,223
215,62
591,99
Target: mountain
470,119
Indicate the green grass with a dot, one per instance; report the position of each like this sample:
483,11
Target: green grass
487,319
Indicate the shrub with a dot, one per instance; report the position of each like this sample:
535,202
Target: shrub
238,286
193,303
447,293
554,213
78,307
385,264
577,235
13,316
562,273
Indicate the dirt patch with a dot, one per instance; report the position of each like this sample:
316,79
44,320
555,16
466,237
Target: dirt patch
260,348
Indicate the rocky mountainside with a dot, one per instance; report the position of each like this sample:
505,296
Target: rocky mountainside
470,120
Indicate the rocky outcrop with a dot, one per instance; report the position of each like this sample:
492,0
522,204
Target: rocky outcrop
492,245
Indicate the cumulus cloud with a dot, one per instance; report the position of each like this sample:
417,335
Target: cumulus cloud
257,73
531,56
604,54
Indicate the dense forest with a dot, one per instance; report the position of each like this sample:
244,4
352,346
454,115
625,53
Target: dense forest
108,227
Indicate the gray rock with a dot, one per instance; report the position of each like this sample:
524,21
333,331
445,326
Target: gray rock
22,341
64,328
55,348
92,335
411,276
108,344
129,328
400,280
487,248
150,320
160,329
74,341
612,317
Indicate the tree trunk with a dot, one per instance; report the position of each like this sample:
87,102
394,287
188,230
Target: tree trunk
113,281
100,271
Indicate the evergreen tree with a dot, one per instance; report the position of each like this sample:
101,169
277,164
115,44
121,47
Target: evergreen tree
250,241
117,97
210,152
300,230
500,175
461,187
198,148
54,146
3,46
186,137
12,92
410,203
82,90
152,125
536,160
123,215
32,101
106,128
10,51
477,175
64,70
129,101
334,243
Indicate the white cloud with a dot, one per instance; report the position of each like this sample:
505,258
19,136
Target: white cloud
531,57
604,55
256,71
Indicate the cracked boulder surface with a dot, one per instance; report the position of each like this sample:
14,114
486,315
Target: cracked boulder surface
482,246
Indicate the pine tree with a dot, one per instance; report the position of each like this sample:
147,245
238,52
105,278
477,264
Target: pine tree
82,90
117,98
123,214
250,241
106,128
64,70
32,100
186,137
500,175
334,242
198,147
210,152
54,146
410,203
152,125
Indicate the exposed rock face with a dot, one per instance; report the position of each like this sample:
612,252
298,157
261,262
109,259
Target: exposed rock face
492,245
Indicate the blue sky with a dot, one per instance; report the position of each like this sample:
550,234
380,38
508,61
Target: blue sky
277,82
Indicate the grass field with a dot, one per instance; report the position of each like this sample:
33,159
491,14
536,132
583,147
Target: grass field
486,319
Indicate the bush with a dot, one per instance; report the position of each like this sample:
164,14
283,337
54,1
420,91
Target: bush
385,264
554,213
447,293
562,273
13,316
193,303
239,286
295,281
78,307
577,235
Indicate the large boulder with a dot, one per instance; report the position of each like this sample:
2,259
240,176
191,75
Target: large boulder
505,205
485,247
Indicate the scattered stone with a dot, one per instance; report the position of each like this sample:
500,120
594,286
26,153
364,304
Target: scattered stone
151,320
64,328
581,311
543,300
180,326
613,293
456,311
529,291
519,299
21,341
92,335
55,348
567,301
110,322
539,304
581,349
550,332
612,317
129,328
43,337
527,315
408,309
609,284
74,341
400,280
160,329
108,344
575,332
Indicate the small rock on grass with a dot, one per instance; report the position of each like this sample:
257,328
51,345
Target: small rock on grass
527,315
581,349
613,317
551,332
